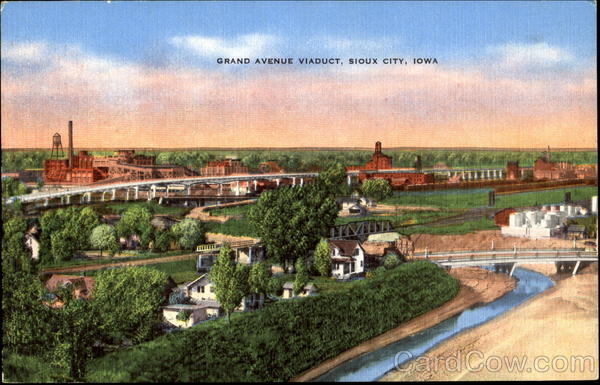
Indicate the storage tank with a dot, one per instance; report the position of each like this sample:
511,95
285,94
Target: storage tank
544,223
531,217
512,220
563,208
595,204
551,219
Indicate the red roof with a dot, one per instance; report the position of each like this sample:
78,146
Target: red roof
83,285
346,247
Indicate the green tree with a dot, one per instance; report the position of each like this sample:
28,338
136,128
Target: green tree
15,257
12,187
301,276
183,315
258,279
322,258
228,280
291,220
103,238
163,240
136,220
377,189
75,335
188,233
390,261
62,246
128,301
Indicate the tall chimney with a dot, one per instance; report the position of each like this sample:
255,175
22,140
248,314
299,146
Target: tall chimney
70,145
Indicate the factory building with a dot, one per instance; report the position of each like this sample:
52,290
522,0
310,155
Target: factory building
381,162
549,221
85,168
544,168
223,167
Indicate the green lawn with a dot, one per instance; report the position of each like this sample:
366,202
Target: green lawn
463,228
180,271
238,227
404,217
465,199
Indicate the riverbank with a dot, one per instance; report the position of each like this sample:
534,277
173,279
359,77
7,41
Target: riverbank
558,328
476,286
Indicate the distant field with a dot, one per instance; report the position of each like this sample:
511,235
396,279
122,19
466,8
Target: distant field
465,199
463,228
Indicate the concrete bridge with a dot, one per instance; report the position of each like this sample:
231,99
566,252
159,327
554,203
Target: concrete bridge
147,189
566,260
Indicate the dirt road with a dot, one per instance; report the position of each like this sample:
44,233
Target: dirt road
99,266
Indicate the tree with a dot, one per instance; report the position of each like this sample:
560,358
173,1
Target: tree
75,335
128,301
136,220
377,189
12,187
291,220
322,258
163,241
258,279
228,280
62,246
15,257
103,238
301,276
188,233
390,261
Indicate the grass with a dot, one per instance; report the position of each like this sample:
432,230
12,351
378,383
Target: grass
459,229
237,227
466,199
404,218
537,198
180,271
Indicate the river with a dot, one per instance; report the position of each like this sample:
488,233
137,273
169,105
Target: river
373,365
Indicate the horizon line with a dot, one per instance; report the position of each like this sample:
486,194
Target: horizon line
310,148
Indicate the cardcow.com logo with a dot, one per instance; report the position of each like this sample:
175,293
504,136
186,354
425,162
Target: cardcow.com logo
476,361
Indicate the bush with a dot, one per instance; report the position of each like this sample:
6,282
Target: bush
390,261
285,338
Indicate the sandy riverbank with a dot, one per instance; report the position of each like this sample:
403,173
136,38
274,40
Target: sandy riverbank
558,328
477,286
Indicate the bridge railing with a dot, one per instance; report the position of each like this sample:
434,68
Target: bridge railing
496,251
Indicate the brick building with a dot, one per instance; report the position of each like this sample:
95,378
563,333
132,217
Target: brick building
224,167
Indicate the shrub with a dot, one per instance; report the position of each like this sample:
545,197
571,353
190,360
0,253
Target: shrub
284,338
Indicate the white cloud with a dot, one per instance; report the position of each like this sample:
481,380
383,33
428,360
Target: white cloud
242,46
25,51
516,55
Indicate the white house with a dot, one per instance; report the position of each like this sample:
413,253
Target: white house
288,290
347,258
203,289
195,313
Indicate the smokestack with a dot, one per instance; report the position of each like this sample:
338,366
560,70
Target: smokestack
70,145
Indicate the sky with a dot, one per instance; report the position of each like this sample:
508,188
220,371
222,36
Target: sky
146,74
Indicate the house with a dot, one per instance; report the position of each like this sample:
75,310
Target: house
576,232
307,290
82,287
203,289
347,258
189,315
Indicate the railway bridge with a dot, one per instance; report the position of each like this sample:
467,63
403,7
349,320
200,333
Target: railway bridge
566,260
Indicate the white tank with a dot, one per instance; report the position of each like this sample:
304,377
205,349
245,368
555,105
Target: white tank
512,220
563,208
531,217
551,219
544,223
595,204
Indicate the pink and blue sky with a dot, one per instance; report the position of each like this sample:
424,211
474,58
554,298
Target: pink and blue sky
144,74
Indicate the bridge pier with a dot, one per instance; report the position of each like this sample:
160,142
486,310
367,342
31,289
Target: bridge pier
102,196
127,194
136,192
46,202
256,183
277,181
293,181
576,267
301,182
68,199
113,194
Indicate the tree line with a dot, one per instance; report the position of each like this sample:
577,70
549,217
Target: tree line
298,160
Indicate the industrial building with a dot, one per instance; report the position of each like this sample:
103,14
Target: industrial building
84,168
549,221
382,162
223,168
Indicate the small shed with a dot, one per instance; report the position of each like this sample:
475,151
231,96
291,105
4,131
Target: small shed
576,232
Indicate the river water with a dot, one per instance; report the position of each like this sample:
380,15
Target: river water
372,366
